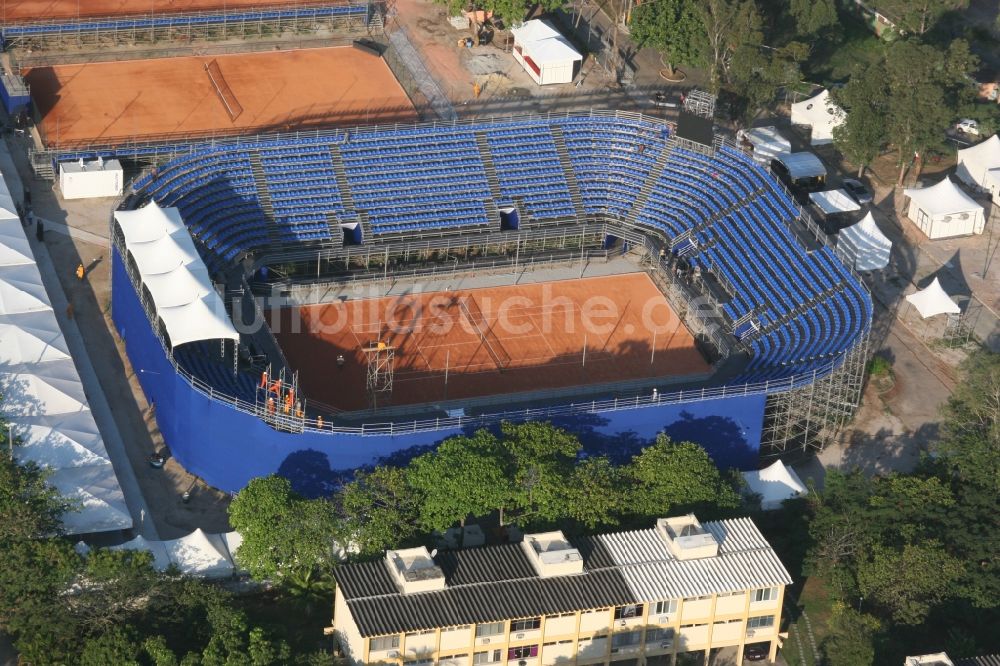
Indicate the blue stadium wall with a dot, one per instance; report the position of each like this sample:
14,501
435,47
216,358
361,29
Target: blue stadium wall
227,447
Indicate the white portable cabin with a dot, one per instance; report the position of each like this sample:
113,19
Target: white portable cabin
819,113
544,53
91,180
979,167
944,210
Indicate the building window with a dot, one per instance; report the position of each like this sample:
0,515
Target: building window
760,621
525,625
660,635
522,652
449,657
765,594
384,643
490,629
486,657
626,639
665,607
624,612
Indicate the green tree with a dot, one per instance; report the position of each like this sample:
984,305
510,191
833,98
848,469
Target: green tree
463,476
730,27
286,538
909,582
924,89
669,478
918,16
673,27
756,74
112,646
592,496
814,17
379,510
851,640
864,131
539,459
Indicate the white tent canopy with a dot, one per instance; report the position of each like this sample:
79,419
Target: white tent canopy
867,244
197,554
775,484
944,210
544,53
767,142
933,300
43,396
821,114
171,269
979,166
834,201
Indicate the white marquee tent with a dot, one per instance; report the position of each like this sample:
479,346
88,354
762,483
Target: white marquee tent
979,166
821,114
933,300
944,210
197,554
174,274
544,53
867,244
775,484
43,396
767,143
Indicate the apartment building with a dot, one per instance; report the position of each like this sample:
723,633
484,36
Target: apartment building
679,593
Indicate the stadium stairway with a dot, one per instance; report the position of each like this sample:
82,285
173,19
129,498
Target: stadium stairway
260,180
651,180
488,166
340,172
574,187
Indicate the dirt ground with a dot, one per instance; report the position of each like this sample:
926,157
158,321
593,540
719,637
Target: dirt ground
535,338
33,10
279,90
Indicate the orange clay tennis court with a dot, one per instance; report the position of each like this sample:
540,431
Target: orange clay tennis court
490,341
33,10
195,96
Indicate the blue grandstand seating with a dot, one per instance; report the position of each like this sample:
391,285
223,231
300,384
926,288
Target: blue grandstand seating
202,360
416,180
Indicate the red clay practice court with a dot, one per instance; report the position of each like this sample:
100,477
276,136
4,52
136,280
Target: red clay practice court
199,96
490,341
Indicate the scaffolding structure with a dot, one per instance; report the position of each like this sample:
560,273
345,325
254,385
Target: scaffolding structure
185,27
381,359
700,103
278,401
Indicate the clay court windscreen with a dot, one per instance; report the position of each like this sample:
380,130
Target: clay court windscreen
450,345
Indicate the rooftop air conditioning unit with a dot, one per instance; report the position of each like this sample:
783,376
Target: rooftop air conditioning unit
392,654
664,619
486,641
750,633
519,636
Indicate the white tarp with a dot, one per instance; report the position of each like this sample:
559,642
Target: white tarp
173,272
867,244
944,210
933,300
834,201
821,114
775,484
976,162
197,554
43,396
767,143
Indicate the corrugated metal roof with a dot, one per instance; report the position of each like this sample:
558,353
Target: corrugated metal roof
985,660
499,583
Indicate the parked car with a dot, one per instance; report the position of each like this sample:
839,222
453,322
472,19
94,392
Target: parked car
756,651
967,126
858,191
